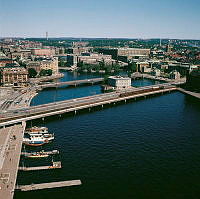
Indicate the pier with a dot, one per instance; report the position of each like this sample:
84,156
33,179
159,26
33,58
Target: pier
48,185
56,165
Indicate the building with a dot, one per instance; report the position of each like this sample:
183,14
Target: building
143,67
43,52
155,72
125,54
182,68
50,63
119,82
13,75
79,44
35,65
78,50
4,61
168,48
95,58
72,60
174,75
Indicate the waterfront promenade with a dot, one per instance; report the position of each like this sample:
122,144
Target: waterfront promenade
10,149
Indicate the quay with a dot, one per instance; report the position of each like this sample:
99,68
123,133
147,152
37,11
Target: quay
70,83
73,105
48,185
56,165
10,148
196,95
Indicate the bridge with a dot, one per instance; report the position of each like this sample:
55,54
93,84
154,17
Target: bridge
72,105
70,83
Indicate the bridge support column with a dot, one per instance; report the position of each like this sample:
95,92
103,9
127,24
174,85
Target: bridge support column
125,101
43,119
60,115
102,106
89,109
75,112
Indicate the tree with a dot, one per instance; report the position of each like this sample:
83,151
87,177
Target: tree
32,72
116,67
61,63
49,72
105,81
132,67
108,68
43,72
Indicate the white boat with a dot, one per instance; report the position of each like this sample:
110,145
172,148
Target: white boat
37,140
40,131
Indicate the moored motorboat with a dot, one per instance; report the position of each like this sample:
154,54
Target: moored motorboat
39,131
35,140
37,155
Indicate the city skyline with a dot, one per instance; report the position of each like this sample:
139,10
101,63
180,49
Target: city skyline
106,19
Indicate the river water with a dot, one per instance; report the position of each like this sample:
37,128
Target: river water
148,148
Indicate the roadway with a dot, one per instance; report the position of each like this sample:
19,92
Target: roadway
20,98
34,112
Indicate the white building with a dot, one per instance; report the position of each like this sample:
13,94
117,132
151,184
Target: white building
119,82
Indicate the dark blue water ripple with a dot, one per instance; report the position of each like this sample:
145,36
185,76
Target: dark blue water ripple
144,149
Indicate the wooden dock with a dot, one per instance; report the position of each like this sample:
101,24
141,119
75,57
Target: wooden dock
56,165
48,185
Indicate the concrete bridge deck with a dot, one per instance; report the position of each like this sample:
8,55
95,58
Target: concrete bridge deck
61,107
194,94
10,148
70,83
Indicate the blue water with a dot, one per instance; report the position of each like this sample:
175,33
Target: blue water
63,93
147,148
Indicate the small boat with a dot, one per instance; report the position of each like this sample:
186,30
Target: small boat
37,155
39,132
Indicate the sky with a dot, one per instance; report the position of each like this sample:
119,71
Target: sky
175,19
